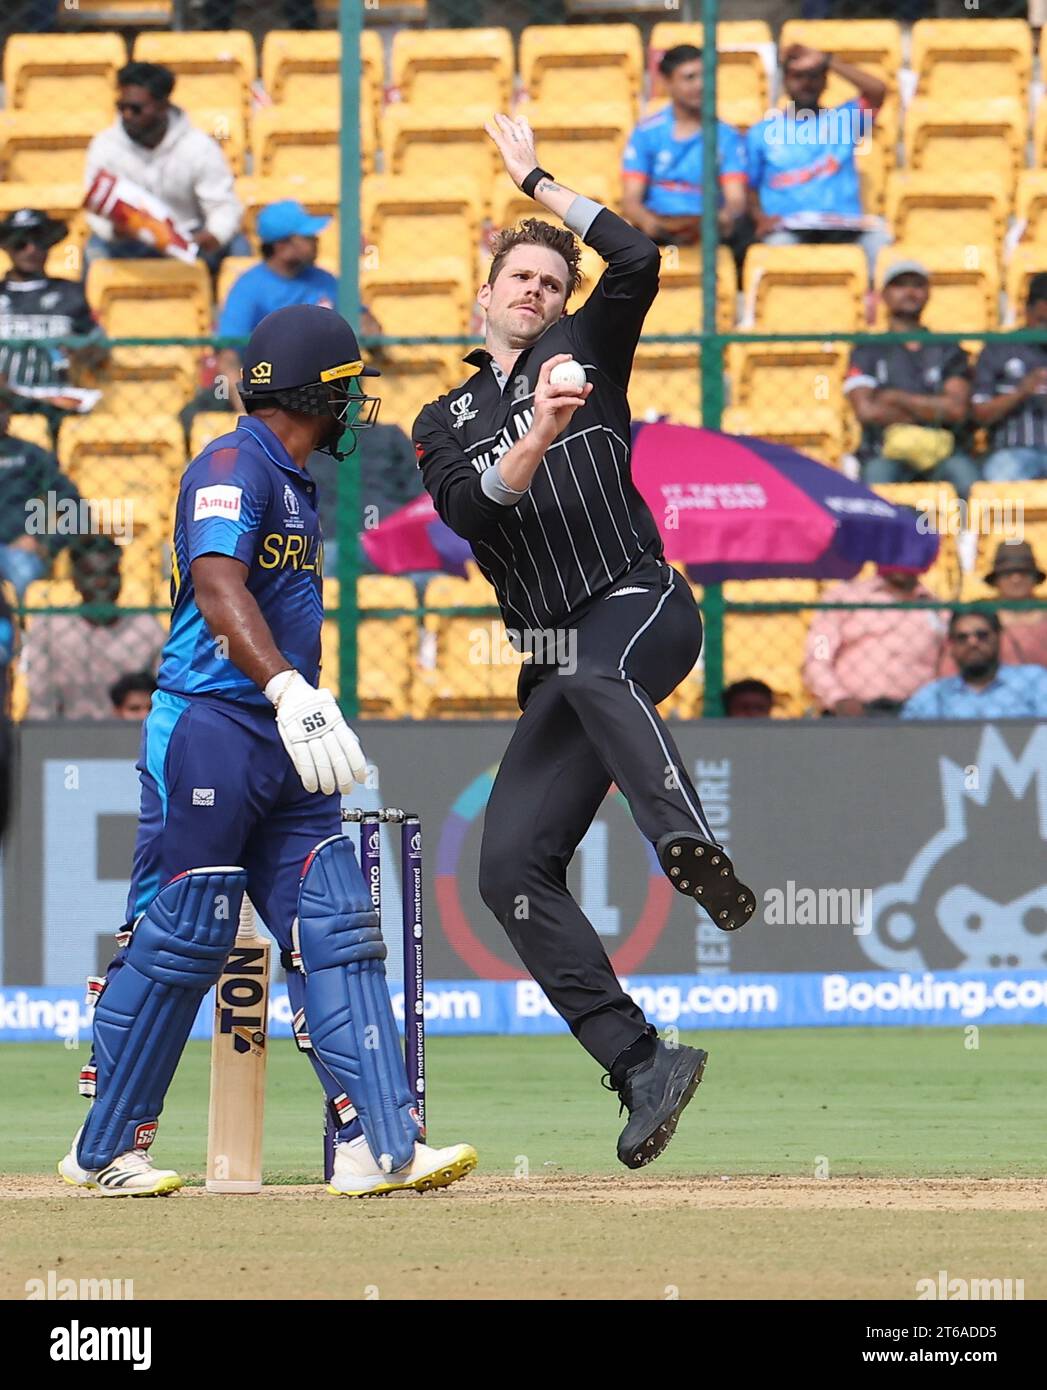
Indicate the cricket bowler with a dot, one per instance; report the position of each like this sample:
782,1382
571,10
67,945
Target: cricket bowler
242,764
535,475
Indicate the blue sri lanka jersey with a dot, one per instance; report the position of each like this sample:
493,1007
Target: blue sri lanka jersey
806,164
673,168
244,497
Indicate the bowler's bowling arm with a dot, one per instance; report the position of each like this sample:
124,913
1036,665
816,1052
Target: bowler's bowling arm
233,617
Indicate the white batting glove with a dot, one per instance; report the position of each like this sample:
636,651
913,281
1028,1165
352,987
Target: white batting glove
325,751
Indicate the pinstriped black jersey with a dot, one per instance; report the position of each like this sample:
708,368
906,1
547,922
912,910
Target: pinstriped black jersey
582,524
39,309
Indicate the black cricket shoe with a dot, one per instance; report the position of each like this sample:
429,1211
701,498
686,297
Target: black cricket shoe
702,870
655,1093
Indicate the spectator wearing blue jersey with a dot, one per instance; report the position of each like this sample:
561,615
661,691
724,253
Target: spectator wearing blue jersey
801,161
662,166
984,689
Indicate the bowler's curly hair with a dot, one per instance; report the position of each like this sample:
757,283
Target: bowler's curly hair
533,232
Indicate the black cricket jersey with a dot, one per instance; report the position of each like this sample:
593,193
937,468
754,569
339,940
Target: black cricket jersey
999,371
581,525
39,309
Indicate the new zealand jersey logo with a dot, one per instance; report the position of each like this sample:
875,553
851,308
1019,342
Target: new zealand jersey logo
461,411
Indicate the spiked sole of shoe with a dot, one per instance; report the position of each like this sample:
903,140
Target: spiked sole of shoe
704,872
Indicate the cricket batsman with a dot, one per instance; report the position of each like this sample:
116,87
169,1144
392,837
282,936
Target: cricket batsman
242,764
534,472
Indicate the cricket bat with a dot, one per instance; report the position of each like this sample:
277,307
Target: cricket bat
238,1052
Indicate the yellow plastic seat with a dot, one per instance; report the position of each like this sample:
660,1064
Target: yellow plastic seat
1031,198
141,582
413,376
318,196
302,67
1008,511
476,670
818,433
742,91
417,142
51,593
372,83
583,140
148,379
54,73
581,65
678,305
160,298
34,428
954,57
289,141
807,289
1027,259
428,298
969,134
770,646
666,383
45,147
125,13
433,68
213,69
939,508
208,426
965,286
441,214
510,206
961,208
387,646
151,451
786,378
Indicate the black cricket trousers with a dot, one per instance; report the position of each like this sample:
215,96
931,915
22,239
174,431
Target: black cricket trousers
586,722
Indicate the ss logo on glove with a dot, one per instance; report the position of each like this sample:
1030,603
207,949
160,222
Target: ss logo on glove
312,722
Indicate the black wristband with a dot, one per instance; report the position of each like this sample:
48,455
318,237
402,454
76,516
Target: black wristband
531,181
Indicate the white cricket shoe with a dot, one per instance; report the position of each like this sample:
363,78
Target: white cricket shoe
129,1175
356,1174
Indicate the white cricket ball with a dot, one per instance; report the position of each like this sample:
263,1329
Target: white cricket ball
568,374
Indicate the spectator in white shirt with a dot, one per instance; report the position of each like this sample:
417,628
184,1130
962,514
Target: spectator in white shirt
153,144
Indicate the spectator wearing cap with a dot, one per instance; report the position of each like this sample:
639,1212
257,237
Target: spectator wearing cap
911,398
131,697
1009,397
72,659
1015,575
801,161
36,308
662,167
984,688
154,145
747,699
874,655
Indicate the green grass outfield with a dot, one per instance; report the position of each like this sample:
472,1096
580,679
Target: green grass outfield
886,1102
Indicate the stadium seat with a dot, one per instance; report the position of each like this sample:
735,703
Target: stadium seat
228,126
34,428
873,44
770,646
819,433
786,378
51,593
149,379
1008,511
577,66
428,298
678,306
372,81
938,504
126,13
745,61
160,298
965,286
952,58
476,670
45,147
808,289
303,67
1031,198
433,69
318,196
387,647
413,375
666,383
946,136
1027,259
439,216
872,163
213,70
509,205
136,460
208,426
287,141
961,208
415,142
65,73
580,141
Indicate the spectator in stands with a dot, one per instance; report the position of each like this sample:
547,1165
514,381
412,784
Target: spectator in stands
873,655
663,162
132,695
1009,396
984,689
154,145
801,166
911,398
748,699
37,306
286,274
298,14
71,659
1015,575
27,472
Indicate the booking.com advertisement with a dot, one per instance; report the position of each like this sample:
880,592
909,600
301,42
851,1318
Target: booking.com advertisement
872,908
